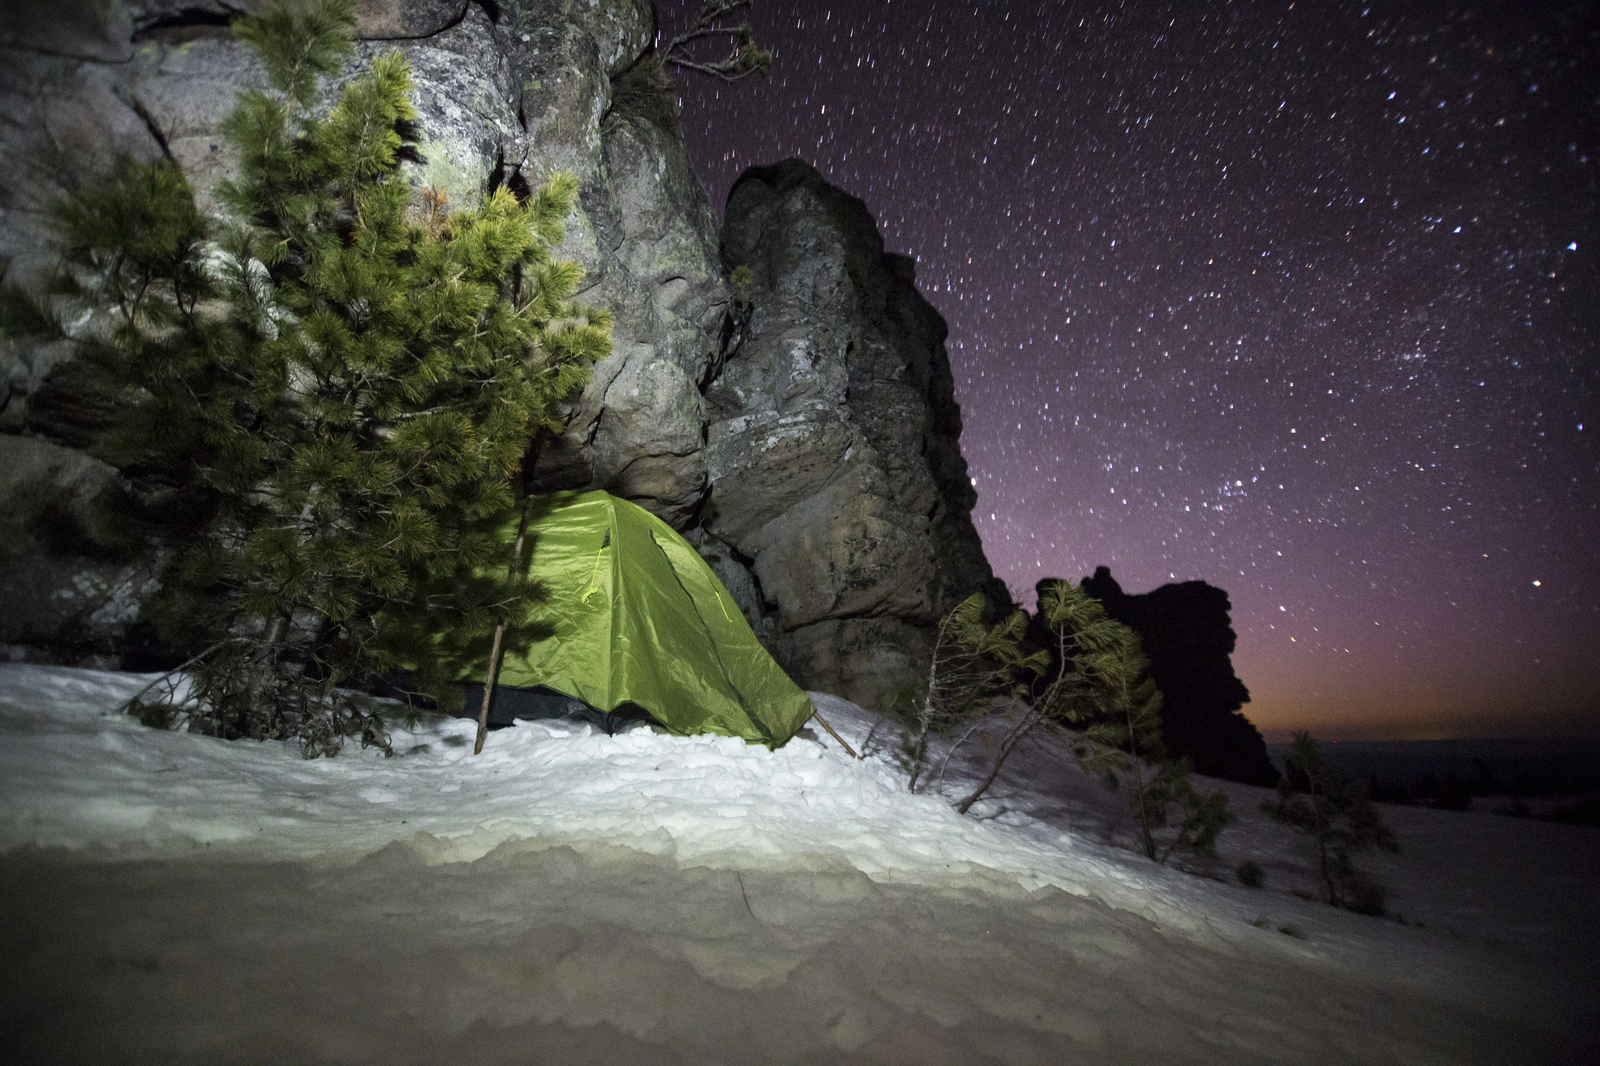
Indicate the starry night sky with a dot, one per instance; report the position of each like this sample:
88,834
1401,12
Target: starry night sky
1299,299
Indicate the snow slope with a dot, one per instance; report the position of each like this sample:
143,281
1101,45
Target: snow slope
706,800
569,896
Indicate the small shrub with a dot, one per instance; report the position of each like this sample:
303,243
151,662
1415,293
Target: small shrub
1316,799
1364,895
1290,929
1249,873
157,714
1262,922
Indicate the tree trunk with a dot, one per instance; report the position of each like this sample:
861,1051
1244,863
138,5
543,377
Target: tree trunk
928,709
1321,823
262,676
918,751
1030,718
524,479
1138,780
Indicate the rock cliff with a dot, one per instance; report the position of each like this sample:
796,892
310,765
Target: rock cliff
806,434
833,438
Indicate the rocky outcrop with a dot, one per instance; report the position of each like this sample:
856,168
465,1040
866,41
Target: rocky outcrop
639,428
1188,636
72,575
508,93
833,439
806,435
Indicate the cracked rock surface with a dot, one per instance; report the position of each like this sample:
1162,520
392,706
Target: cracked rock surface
834,440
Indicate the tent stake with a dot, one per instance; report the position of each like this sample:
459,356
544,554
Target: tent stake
500,632
823,722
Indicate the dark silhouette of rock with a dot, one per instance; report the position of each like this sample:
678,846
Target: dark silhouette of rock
1189,639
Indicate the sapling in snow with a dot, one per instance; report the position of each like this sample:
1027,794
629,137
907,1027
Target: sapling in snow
972,664
1318,800
1104,692
1101,693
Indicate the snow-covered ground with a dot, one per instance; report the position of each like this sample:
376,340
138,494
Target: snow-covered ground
573,897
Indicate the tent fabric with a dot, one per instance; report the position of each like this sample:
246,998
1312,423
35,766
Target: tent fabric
640,618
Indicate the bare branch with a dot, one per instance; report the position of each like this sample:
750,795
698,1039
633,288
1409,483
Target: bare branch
744,56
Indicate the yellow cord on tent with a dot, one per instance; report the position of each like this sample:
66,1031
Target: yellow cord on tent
594,586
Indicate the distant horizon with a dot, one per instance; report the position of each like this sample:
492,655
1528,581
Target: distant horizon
1555,739
1331,722
1409,733
1366,711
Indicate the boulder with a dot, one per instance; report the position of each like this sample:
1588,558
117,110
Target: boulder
639,429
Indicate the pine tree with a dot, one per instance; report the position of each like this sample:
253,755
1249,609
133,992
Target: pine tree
1316,799
1202,817
346,378
972,664
1069,699
1102,689
1104,692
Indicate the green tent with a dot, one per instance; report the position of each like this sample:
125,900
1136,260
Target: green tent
641,619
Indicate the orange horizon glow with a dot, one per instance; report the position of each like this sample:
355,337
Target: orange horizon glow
1347,718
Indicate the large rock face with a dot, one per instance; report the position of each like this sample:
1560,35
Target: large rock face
508,93
833,443
817,416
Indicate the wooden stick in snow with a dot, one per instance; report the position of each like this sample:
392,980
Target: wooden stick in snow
500,632
823,722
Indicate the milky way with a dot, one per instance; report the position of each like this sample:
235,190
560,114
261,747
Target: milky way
1299,299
